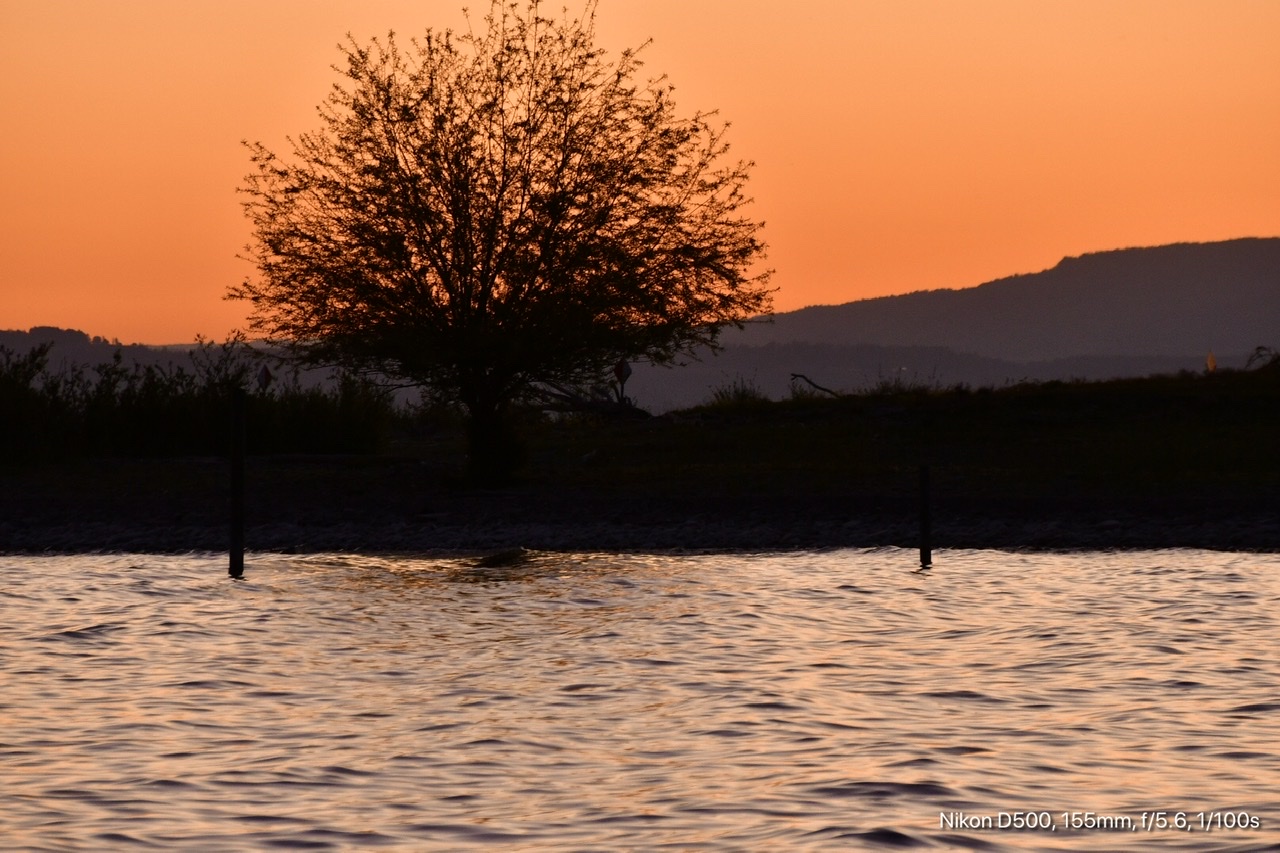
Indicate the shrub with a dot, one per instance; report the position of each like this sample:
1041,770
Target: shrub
739,392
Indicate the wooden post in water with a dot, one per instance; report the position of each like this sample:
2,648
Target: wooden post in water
926,551
236,566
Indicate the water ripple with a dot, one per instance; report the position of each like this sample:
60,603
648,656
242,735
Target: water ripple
833,700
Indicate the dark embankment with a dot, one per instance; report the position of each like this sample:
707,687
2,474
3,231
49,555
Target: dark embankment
1189,461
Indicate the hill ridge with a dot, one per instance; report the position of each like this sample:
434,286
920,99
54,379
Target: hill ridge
1168,300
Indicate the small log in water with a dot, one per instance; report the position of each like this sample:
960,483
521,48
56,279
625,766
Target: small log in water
236,567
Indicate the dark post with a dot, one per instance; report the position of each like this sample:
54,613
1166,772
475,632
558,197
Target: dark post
926,553
236,568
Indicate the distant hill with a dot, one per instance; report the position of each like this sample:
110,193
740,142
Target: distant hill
74,347
1129,312
1175,300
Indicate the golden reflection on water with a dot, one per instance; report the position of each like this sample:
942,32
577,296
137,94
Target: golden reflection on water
566,701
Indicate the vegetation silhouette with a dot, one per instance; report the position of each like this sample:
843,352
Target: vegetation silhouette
165,410
500,216
1185,460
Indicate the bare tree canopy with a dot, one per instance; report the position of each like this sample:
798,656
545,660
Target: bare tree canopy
491,211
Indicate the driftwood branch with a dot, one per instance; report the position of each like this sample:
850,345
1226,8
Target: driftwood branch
815,385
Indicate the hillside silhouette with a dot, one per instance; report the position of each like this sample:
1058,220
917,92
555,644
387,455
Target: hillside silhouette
1123,313
1174,300
74,347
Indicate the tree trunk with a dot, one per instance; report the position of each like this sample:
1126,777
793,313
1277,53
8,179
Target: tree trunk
494,452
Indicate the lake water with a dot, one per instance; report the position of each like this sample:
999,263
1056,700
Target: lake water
814,701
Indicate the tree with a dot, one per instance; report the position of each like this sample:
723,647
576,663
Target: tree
498,212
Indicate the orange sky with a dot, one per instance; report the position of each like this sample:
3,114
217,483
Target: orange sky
899,145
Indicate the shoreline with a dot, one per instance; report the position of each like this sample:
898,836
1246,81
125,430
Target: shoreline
649,488
1116,531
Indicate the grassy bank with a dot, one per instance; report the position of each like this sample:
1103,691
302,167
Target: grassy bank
1180,454
1142,437
113,409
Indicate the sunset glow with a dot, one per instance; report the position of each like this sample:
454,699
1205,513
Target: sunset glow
898,145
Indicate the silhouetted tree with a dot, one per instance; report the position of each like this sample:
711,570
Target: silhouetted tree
498,212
